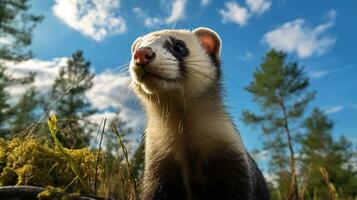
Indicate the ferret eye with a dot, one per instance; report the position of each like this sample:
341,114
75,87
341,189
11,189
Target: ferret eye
176,47
179,48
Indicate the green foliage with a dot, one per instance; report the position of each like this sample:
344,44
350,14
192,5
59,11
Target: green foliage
27,162
111,139
16,26
319,149
73,81
15,118
125,151
7,111
137,162
276,82
24,112
31,162
36,161
279,88
4,105
52,124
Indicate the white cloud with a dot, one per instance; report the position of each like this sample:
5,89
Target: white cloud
96,19
316,74
97,117
262,155
247,56
152,22
46,72
271,178
133,118
5,41
149,22
334,109
110,92
205,2
235,13
258,6
298,37
331,15
177,12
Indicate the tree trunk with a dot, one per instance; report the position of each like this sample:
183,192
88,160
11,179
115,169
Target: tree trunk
294,190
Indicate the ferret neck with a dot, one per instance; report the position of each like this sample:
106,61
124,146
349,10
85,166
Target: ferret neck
176,105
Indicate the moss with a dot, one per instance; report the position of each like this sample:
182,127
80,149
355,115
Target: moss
33,162
51,193
8,177
28,162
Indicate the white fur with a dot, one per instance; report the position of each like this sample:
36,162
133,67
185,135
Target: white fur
178,112
199,67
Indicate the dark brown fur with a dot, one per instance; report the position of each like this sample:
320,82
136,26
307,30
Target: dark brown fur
224,175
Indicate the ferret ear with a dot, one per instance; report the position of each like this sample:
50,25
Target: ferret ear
135,44
209,40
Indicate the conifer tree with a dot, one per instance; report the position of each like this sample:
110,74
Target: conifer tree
24,113
280,90
16,26
137,162
319,149
73,80
4,105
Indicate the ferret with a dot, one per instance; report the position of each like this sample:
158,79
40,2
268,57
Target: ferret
192,149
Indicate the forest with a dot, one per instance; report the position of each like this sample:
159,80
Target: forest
49,142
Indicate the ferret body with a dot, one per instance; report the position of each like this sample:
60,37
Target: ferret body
192,149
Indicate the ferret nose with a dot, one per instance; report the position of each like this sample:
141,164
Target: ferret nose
143,56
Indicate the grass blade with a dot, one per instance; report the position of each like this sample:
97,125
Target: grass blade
125,151
98,156
52,124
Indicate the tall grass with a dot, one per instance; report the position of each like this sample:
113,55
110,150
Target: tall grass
52,124
125,151
95,172
29,160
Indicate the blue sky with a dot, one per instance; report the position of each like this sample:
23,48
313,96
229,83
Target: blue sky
320,35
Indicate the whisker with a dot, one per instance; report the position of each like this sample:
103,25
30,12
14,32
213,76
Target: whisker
170,59
205,61
197,73
116,68
170,64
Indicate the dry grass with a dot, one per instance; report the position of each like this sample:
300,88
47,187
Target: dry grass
97,172
26,160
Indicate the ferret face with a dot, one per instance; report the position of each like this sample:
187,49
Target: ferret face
176,61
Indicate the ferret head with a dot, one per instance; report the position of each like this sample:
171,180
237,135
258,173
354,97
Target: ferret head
176,62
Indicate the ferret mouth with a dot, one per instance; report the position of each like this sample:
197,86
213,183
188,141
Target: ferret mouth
152,75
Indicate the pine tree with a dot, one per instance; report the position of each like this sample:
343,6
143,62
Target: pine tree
73,81
279,88
319,149
4,105
16,26
24,112
112,142
137,162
